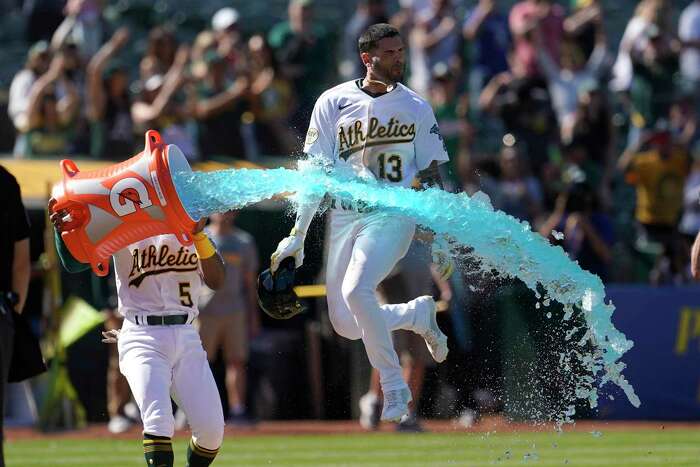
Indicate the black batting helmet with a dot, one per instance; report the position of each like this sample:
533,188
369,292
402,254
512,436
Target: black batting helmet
276,294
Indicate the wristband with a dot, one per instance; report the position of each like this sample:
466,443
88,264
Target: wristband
205,249
297,233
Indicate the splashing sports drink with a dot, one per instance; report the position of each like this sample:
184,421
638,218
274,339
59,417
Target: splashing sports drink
498,241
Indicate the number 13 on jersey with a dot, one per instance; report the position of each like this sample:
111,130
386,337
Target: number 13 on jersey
390,167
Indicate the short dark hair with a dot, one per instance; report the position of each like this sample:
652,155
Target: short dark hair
373,34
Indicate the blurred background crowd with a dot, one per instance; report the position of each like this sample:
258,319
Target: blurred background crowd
578,117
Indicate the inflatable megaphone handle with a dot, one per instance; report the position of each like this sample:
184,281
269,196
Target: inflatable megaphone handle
153,140
101,268
69,168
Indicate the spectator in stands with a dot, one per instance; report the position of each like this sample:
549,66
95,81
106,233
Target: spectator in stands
272,100
583,25
38,60
689,34
487,29
654,86
658,168
74,71
109,102
435,38
595,133
516,192
300,46
160,53
203,43
450,111
83,26
50,124
588,232
227,34
683,119
158,106
635,38
367,12
229,317
525,17
566,81
217,106
523,105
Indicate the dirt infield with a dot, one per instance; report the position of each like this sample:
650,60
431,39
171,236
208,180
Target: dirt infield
313,427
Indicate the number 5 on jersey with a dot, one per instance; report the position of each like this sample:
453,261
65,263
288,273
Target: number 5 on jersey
185,296
394,174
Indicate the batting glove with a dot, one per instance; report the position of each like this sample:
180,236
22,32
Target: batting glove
111,336
290,246
442,258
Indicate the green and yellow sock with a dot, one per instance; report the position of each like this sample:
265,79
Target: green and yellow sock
158,451
198,456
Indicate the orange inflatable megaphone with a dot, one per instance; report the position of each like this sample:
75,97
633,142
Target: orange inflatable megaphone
113,207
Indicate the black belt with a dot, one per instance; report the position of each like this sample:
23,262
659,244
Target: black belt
164,320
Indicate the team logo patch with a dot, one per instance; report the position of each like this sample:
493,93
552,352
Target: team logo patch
435,130
311,136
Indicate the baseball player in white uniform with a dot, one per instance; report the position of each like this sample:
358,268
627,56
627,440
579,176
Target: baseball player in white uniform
377,127
160,353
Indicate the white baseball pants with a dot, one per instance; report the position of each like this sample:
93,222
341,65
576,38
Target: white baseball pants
363,249
160,361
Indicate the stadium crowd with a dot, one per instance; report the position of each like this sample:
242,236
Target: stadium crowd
540,110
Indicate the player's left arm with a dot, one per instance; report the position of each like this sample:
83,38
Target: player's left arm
430,152
210,261
430,177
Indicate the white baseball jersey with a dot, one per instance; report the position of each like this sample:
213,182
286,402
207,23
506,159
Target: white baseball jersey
158,276
394,135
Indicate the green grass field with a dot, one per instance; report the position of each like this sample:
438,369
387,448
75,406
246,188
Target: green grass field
631,448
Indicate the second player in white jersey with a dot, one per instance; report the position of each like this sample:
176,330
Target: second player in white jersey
373,125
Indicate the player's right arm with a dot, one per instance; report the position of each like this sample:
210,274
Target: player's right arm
319,147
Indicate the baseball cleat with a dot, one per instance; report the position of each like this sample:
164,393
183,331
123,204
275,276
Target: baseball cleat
409,424
369,411
435,339
396,404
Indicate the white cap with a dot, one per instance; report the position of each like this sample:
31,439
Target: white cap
224,18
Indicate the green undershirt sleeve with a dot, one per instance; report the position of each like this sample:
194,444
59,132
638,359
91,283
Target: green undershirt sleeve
69,262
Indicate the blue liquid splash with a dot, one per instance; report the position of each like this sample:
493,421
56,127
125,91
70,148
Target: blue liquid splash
498,241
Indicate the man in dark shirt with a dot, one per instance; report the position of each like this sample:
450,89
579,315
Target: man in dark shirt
14,272
218,110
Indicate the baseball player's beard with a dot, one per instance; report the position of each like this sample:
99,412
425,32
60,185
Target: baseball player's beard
389,77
